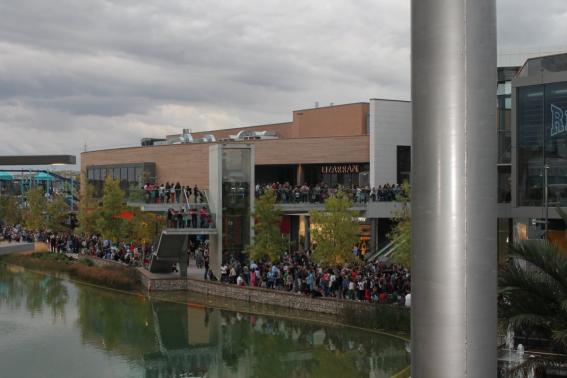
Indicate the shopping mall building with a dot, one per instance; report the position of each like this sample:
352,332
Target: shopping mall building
368,144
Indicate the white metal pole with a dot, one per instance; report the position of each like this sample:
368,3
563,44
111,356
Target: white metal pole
454,188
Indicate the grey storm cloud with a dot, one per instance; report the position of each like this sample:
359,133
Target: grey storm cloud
108,72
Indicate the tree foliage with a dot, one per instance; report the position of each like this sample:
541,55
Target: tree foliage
34,217
141,227
109,223
10,211
268,241
87,212
57,213
533,287
335,231
400,234
136,193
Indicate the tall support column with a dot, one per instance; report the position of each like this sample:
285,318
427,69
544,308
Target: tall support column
300,175
453,188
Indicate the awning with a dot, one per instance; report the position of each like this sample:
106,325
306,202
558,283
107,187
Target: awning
6,176
42,176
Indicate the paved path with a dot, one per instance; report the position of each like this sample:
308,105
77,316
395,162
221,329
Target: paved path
8,248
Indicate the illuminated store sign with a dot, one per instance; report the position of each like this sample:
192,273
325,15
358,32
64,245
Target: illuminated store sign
558,120
340,168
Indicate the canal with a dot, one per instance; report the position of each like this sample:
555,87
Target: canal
53,327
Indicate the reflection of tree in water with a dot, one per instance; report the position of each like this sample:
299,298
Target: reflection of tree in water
116,323
169,339
36,291
282,348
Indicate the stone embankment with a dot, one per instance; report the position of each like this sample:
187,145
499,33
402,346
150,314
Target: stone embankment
292,301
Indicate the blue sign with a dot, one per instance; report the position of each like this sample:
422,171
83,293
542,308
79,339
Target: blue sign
558,120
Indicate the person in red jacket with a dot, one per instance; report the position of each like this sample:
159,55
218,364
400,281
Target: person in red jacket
204,217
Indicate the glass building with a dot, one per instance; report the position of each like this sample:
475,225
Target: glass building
541,131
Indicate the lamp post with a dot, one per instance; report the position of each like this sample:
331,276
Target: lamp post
546,198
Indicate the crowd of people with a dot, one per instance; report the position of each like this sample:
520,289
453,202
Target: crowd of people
296,272
190,217
127,252
287,193
172,193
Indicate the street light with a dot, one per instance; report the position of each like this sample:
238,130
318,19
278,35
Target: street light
546,199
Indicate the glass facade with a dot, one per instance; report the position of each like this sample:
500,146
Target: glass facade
236,196
504,95
403,168
129,175
542,141
333,174
268,174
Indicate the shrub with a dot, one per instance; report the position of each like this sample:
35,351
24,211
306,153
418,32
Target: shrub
116,277
87,262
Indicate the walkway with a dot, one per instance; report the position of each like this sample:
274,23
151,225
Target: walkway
15,247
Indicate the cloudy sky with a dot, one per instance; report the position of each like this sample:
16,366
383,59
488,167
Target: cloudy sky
106,73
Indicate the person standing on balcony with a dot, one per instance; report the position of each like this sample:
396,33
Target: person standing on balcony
161,193
193,213
177,192
167,192
204,217
185,222
196,193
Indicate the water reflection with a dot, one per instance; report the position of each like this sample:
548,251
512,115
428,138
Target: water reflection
37,292
164,339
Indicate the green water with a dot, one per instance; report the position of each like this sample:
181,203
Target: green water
51,327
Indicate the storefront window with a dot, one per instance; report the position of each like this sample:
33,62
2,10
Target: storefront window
403,163
504,184
334,174
129,175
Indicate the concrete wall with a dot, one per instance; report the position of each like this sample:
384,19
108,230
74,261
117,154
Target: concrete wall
390,126
253,295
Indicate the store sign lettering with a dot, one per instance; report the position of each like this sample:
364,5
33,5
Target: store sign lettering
342,168
558,120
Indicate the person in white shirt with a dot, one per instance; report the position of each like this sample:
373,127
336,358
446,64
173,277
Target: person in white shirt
407,302
240,281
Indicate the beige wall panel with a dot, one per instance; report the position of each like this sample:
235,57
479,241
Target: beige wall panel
189,163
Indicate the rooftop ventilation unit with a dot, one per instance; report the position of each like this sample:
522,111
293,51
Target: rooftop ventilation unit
253,135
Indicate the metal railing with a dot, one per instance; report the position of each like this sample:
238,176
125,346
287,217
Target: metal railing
296,195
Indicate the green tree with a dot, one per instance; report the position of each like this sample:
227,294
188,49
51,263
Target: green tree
34,214
109,223
141,227
533,287
400,234
87,214
10,211
57,213
268,241
136,193
335,231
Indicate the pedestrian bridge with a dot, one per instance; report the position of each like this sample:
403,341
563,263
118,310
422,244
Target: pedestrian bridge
189,231
172,249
